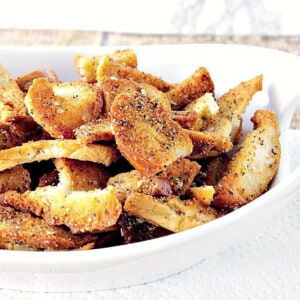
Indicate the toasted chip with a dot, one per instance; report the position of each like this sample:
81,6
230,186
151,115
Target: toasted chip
25,81
14,119
11,135
169,212
86,66
125,183
49,178
154,185
76,175
110,68
145,133
227,122
180,175
16,178
81,211
20,230
60,108
112,86
206,144
96,131
11,97
253,165
191,88
48,149
187,119
205,108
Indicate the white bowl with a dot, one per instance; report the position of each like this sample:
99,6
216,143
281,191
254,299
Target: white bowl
146,261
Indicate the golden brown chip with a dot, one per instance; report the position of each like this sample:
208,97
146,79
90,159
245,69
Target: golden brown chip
206,144
125,183
48,149
180,175
14,119
187,119
11,135
169,212
86,66
11,97
191,88
20,230
205,107
16,178
253,165
145,133
112,86
81,211
60,108
76,175
227,122
96,131
110,68
25,81
50,178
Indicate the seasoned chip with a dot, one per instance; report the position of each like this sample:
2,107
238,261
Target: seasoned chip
125,184
11,135
206,144
60,108
16,178
145,133
11,97
191,88
76,175
109,68
25,81
169,212
205,108
253,165
187,119
14,119
180,175
96,131
227,122
112,86
21,230
86,66
48,149
92,211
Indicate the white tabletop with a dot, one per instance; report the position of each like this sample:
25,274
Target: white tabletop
225,17
267,266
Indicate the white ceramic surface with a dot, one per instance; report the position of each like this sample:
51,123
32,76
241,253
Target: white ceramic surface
151,260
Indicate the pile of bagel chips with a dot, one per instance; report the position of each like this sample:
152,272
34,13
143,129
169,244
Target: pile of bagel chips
121,155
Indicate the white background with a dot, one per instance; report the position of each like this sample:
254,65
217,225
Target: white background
244,17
